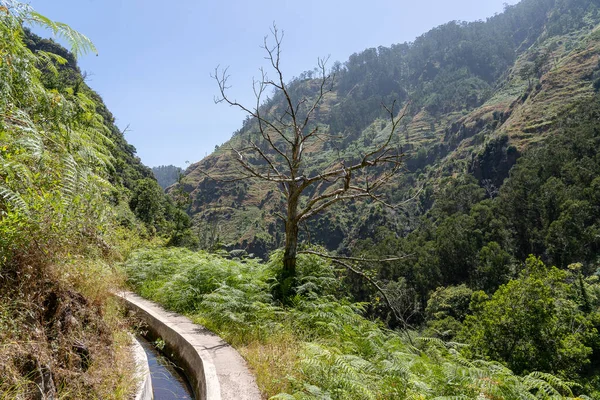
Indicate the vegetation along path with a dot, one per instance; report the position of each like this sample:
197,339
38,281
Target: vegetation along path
215,369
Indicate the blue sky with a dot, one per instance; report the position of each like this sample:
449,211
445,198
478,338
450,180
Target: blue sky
156,57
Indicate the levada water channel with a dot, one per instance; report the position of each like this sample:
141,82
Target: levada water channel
168,380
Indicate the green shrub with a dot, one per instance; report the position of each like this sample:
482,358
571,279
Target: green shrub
340,354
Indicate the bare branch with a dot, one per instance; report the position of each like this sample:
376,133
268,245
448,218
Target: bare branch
403,323
324,81
279,215
307,214
384,158
288,128
269,161
274,56
225,180
254,172
127,129
357,259
264,123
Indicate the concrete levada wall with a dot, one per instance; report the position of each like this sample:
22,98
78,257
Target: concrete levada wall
214,369
144,389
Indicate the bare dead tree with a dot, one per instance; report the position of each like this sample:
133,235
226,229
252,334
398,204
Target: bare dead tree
402,314
279,156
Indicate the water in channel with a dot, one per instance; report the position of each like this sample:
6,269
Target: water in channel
168,382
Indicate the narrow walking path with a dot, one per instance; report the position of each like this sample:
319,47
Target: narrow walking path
216,370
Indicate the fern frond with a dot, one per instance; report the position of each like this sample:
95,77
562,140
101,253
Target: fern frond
79,43
34,145
14,198
457,357
49,60
70,172
17,8
549,384
436,342
15,170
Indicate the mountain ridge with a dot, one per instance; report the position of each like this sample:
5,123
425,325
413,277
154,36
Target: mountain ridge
460,110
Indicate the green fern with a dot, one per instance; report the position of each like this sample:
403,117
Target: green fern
343,355
14,199
79,43
49,60
548,385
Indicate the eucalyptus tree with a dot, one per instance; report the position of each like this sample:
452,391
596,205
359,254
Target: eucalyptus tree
287,130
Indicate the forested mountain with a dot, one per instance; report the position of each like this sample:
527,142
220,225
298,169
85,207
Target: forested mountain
480,93
166,175
500,142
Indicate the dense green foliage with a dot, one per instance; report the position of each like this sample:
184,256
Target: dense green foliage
541,321
54,156
502,162
66,179
337,353
166,175
544,319
548,207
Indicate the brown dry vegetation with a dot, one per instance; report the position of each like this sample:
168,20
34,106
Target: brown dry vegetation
61,333
282,351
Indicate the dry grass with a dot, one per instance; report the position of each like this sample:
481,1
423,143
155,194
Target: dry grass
274,363
61,323
112,377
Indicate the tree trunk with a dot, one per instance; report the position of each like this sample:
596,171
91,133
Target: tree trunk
286,287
